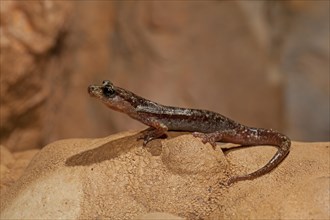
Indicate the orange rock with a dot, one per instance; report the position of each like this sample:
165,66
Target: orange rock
116,177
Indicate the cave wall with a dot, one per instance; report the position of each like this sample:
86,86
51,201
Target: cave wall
264,64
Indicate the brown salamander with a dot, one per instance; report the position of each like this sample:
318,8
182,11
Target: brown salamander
211,127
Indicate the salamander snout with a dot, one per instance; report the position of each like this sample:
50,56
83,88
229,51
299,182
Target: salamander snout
93,90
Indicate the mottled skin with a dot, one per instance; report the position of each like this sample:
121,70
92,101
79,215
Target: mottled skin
211,127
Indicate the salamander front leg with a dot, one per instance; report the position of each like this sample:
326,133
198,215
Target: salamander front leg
150,134
156,131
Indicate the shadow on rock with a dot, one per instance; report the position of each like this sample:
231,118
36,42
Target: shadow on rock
104,152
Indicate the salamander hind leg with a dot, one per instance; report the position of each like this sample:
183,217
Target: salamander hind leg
206,138
213,137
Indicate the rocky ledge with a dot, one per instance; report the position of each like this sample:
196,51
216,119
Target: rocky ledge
177,177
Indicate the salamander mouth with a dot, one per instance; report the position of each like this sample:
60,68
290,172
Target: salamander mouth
94,91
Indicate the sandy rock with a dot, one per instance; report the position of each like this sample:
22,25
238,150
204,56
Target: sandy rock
112,177
6,157
158,215
3,171
12,165
116,177
23,158
287,192
180,159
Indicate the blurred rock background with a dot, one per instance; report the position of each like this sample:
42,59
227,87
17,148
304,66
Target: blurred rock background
262,63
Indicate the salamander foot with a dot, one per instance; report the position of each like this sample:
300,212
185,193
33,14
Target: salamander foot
150,134
206,138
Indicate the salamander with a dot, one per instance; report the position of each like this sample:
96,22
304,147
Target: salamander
209,126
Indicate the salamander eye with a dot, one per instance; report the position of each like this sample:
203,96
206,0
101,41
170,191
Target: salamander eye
106,83
108,91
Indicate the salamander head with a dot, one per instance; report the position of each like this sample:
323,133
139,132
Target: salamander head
107,90
114,97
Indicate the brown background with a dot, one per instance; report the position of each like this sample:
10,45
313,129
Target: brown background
262,63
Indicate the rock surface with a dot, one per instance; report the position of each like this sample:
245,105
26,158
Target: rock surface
179,176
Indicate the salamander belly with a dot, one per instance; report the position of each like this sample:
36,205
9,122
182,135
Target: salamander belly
187,124
179,119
